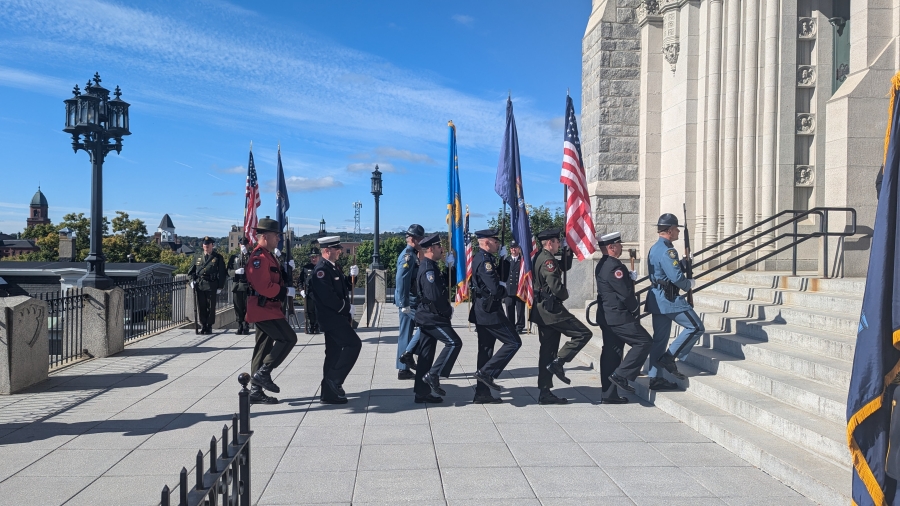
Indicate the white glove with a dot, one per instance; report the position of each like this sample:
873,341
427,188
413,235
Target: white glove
354,270
291,292
243,249
219,291
277,253
405,310
633,275
693,283
503,251
239,271
192,285
291,263
451,260
303,293
503,284
352,310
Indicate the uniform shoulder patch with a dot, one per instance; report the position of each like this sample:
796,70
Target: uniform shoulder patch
674,263
430,276
672,254
550,265
256,264
406,258
320,274
618,274
214,260
488,266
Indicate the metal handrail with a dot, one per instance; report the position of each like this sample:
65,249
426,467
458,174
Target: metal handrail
798,238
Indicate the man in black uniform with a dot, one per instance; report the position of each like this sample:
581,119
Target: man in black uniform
305,283
491,324
237,263
552,318
334,310
208,276
433,317
515,307
617,315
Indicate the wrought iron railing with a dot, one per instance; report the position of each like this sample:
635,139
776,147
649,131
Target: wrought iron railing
65,324
758,243
227,481
154,306
226,297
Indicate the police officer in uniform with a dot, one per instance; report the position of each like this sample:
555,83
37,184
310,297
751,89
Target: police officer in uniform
334,310
274,336
491,325
617,315
515,307
237,263
433,317
667,306
405,299
305,283
553,319
208,276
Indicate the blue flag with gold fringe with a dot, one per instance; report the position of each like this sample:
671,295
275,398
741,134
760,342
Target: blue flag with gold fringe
455,212
876,362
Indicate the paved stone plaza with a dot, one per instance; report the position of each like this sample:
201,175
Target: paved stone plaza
115,430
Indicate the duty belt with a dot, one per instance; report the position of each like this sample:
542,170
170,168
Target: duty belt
253,292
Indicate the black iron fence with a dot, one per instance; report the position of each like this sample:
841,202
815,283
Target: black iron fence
225,298
227,481
64,325
153,306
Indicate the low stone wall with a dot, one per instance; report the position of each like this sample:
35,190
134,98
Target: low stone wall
24,347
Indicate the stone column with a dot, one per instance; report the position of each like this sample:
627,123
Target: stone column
24,346
104,321
713,95
748,144
770,113
732,89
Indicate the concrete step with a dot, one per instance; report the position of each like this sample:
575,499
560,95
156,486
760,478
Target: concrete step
836,322
829,301
809,474
830,345
807,282
826,401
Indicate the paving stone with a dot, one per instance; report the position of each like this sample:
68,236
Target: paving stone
34,490
316,458
398,485
474,455
641,481
572,482
309,487
550,455
91,463
482,484
400,456
387,434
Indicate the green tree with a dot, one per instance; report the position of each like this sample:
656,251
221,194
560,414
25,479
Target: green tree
129,237
46,237
180,261
539,217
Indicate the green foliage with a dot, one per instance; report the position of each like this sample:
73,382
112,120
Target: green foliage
181,261
130,236
539,217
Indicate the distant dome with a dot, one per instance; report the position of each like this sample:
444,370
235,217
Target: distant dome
39,199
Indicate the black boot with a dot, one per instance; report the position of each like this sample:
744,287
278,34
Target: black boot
621,383
660,383
556,367
263,378
408,360
257,396
405,374
547,397
435,384
487,380
667,362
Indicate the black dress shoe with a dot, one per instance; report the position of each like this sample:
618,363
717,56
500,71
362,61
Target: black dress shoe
429,398
435,384
405,374
547,397
408,360
260,397
614,399
556,367
660,383
621,383
337,389
667,362
487,380
263,378
487,399
333,400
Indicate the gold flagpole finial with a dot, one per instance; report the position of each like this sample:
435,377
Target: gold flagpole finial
450,123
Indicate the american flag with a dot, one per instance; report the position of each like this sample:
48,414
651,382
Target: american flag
251,203
579,224
462,291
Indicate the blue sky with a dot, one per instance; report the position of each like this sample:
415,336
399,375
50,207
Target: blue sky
342,85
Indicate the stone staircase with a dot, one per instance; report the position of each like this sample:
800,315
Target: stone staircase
769,379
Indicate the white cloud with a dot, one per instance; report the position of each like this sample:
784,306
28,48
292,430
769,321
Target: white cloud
237,169
403,154
305,184
369,167
463,19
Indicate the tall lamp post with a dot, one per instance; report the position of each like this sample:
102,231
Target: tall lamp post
376,191
93,120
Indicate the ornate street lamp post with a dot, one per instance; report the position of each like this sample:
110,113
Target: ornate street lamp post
376,191
93,120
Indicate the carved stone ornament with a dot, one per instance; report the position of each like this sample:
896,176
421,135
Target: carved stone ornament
671,45
804,175
806,123
806,28
806,76
670,51
646,8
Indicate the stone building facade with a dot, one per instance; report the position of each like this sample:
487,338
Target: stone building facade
740,110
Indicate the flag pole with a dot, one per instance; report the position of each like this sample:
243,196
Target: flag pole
247,199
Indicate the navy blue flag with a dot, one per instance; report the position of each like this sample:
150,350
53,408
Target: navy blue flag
877,358
282,202
508,185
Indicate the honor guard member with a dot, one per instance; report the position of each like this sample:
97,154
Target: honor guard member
433,317
667,306
274,336
515,307
553,319
617,315
237,263
405,299
208,276
305,283
491,324
334,313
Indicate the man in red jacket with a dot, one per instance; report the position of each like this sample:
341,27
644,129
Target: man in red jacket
274,336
